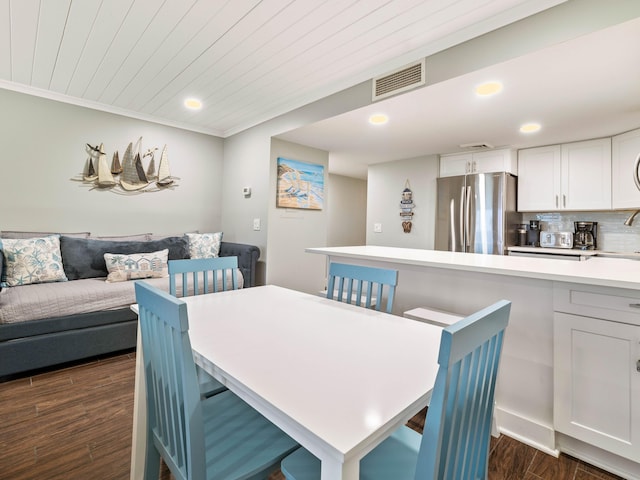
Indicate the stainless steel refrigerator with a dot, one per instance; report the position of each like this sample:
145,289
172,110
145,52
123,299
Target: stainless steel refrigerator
476,213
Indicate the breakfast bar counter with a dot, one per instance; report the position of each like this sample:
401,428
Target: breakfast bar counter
605,272
568,380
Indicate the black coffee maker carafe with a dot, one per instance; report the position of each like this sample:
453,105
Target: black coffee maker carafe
586,235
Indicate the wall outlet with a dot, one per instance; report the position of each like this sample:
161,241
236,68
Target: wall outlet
377,227
256,224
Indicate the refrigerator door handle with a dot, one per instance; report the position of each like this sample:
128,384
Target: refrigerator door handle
467,219
463,205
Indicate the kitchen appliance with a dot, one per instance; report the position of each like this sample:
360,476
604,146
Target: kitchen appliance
550,239
533,236
586,235
522,235
476,213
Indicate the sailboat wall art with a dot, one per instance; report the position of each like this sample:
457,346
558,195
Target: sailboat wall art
136,174
300,185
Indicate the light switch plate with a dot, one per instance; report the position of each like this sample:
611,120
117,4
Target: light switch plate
256,224
377,227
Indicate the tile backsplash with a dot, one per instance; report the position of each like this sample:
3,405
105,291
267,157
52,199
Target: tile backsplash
613,234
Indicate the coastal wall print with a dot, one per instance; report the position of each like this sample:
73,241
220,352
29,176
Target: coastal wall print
130,176
300,185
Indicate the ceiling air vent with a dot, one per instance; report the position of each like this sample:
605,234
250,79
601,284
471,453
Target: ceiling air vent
401,80
477,146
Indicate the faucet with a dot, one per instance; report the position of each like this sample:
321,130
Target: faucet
629,220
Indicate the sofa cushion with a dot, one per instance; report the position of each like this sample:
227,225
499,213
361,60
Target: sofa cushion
32,260
136,266
84,257
23,234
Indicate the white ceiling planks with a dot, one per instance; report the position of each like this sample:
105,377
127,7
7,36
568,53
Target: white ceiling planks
160,43
51,23
79,22
229,36
204,38
125,39
91,68
248,60
24,29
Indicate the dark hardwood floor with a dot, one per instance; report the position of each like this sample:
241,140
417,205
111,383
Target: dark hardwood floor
75,424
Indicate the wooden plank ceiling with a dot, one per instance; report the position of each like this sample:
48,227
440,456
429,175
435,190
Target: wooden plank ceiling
247,60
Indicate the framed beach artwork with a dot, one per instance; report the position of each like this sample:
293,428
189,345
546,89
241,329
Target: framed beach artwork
300,185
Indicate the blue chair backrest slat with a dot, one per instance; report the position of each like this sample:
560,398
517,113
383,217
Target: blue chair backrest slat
203,275
351,280
457,431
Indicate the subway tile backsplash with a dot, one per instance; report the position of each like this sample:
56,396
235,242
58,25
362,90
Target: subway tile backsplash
613,234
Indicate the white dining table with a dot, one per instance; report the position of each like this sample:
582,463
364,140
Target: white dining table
337,378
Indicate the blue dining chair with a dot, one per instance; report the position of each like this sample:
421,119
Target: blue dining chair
362,286
200,276
220,437
457,433
203,275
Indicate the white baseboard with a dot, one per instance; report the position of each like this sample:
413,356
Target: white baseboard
527,431
547,440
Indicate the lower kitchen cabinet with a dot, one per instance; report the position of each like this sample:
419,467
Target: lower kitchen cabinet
597,373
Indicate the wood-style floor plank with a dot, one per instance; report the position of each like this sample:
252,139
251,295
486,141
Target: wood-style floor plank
75,424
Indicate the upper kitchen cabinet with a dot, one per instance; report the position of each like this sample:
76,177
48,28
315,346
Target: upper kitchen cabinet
625,152
572,176
502,160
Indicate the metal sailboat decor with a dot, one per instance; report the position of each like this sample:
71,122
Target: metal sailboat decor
130,177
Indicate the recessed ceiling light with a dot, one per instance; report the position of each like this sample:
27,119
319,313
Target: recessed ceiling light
193,103
378,119
488,88
530,127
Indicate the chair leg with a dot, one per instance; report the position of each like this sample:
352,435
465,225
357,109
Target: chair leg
151,462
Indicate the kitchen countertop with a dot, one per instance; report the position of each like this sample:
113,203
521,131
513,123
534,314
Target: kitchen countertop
598,270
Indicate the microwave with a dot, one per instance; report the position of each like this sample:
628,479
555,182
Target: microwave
556,239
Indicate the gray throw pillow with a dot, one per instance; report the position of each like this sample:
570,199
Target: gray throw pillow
84,257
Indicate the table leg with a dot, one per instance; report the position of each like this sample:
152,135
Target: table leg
331,470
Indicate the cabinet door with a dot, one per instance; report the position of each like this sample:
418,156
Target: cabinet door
586,175
596,384
625,152
539,179
456,164
492,161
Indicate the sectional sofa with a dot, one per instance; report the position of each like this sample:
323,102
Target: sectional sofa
80,313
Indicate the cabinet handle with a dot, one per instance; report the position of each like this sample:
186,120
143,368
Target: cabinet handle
634,305
564,201
636,179
556,201
474,166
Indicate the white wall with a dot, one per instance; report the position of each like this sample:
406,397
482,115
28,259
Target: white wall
347,211
386,181
43,149
291,230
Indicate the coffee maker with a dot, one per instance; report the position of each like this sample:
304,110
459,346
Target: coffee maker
586,235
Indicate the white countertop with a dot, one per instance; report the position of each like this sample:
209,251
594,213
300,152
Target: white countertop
601,271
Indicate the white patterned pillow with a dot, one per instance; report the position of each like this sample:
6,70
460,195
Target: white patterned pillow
204,245
32,260
123,267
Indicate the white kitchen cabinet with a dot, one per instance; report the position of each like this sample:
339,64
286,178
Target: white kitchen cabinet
572,176
625,154
596,369
501,160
